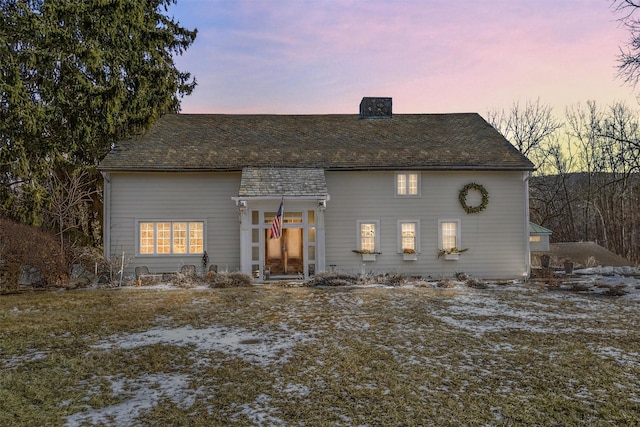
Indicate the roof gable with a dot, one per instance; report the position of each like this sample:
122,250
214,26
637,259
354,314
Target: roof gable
281,182
333,142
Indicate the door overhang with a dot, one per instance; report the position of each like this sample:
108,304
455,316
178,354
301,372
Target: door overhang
276,183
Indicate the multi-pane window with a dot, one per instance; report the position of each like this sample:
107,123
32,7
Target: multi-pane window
196,237
368,234
147,241
408,236
179,237
172,237
449,234
164,238
368,237
407,184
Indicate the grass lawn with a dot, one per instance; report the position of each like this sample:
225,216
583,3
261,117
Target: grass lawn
264,356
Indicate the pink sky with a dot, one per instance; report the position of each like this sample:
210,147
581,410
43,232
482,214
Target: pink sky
430,56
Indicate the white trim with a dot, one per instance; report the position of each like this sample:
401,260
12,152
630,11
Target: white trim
407,195
376,235
262,206
155,237
527,243
399,234
106,214
458,223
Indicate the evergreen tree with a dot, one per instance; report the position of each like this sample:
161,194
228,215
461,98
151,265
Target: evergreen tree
76,76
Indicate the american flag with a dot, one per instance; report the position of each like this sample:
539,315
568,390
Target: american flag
276,226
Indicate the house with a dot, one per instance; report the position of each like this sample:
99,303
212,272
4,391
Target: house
368,192
539,238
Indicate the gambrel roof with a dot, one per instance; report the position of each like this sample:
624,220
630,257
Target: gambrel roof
216,142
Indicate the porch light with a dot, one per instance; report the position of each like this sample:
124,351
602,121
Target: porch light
242,207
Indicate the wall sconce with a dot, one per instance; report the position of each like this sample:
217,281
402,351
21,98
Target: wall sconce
242,207
322,204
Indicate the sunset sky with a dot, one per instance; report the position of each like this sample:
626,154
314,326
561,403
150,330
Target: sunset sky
430,56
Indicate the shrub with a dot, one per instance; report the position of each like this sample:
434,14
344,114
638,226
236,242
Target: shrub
22,245
184,280
613,290
394,279
229,280
446,283
333,279
476,283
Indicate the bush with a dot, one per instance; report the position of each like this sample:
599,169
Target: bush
393,279
476,283
613,290
344,279
24,245
333,279
229,280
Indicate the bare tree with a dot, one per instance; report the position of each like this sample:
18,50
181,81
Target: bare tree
552,198
629,57
70,193
622,133
584,128
528,128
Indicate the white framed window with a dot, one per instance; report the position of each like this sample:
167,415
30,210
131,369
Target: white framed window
170,237
409,236
407,184
368,236
449,235
535,239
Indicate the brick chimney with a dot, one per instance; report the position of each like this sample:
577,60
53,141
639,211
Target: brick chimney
372,107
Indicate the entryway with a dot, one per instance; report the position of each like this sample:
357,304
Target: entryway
285,256
302,195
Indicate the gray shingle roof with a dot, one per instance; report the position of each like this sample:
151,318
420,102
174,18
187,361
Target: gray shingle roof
280,182
538,229
211,142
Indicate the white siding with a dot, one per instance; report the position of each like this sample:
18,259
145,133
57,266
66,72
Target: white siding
497,237
176,196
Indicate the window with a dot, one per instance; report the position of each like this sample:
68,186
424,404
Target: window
369,236
407,184
535,239
196,237
449,233
164,238
171,237
408,236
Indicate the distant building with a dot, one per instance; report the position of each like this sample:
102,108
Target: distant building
539,238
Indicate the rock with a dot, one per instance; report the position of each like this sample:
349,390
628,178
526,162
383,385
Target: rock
29,275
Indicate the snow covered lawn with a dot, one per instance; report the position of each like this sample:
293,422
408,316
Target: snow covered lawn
517,354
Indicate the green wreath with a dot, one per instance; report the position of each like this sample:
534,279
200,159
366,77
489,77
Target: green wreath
462,196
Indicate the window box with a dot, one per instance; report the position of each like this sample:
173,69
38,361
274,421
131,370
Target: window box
410,257
452,254
368,257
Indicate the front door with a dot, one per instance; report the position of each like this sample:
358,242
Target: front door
285,256
299,252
